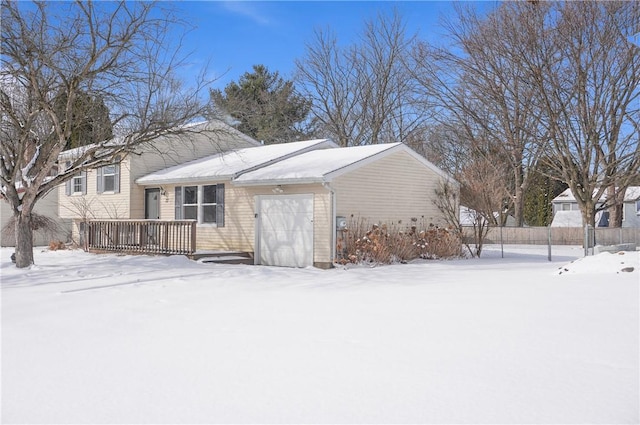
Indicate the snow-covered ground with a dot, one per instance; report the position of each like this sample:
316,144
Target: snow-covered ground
133,339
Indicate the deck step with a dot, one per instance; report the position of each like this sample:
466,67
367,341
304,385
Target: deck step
223,257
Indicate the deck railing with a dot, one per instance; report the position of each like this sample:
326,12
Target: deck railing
142,236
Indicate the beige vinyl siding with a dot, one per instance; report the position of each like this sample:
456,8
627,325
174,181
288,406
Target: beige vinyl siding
107,205
395,188
129,203
238,233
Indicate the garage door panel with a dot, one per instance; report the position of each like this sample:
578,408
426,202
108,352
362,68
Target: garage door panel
285,230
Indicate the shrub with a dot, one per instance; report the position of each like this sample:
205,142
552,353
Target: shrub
391,243
57,245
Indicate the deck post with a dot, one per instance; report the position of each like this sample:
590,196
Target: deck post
192,247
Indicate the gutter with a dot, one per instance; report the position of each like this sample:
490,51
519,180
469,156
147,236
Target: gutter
332,192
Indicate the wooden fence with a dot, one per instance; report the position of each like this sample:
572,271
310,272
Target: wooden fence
559,235
142,236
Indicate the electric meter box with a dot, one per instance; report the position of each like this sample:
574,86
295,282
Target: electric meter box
341,223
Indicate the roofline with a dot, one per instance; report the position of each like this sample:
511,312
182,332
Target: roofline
156,182
310,148
277,182
328,177
314,146
398,146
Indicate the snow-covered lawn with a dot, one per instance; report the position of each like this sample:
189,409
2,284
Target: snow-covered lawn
133,339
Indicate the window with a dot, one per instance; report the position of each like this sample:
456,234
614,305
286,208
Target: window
638,207
109,178
566,207
190,206
202,203
209,204
77,184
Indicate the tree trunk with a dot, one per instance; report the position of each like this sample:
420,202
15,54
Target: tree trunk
24,240
589,214
615,210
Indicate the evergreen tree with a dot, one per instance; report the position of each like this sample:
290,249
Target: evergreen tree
90,119
264,106
538,210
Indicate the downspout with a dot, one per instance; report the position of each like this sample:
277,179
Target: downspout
332,192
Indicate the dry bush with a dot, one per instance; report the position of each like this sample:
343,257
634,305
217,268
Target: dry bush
57,245
393,243
39,223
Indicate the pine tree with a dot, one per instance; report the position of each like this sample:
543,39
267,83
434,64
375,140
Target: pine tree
264,106
538,210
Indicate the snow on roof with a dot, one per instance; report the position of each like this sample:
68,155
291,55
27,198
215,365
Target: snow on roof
632,194
312,166
189,129
227,165
567,219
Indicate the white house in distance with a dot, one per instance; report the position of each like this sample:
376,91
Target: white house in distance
567,213
110,192
284,202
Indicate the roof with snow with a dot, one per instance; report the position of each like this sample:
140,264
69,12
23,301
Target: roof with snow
322,165
228,165
631,195
190,129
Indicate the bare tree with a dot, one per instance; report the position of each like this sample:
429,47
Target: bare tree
586,75
362,94
121,53
480,80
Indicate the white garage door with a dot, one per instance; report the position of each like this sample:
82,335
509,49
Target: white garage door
285,230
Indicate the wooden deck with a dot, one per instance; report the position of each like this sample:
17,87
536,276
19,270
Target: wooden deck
142,236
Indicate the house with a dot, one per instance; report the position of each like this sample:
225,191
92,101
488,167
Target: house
285,203
110,192
47,206
469,217
567,213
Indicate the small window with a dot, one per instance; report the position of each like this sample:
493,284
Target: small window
638,207
190,206
566,207
209,204
109,178
77,184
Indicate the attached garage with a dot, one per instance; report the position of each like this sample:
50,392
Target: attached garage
284,230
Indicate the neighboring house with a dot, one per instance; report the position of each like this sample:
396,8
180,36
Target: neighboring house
285,203
470,217
567,213
110,192
47,206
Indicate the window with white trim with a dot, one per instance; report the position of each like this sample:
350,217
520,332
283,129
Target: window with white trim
109,178
77,184
203,203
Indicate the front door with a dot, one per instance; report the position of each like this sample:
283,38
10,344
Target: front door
152,204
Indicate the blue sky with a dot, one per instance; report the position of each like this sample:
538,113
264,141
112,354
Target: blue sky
234,35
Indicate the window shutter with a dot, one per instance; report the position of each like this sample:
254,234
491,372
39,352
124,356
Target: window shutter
83,174
67,185
99,181
116,178
178,214
220,205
